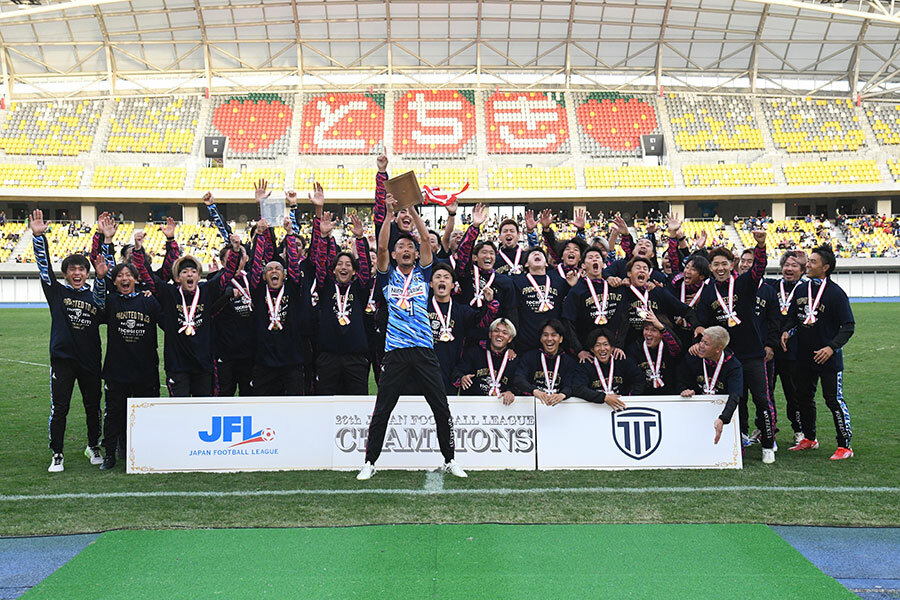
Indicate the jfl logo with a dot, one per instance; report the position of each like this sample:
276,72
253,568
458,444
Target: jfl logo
225,428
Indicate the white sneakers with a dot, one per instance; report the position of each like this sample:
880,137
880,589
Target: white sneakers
451,467
768,455
93,453
366,472
56,465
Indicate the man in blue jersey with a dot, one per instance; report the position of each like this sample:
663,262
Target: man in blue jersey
408,345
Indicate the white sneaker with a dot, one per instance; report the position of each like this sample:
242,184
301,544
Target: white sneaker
366,472
454,469
754,437
93,453
768,456
798,437
56,465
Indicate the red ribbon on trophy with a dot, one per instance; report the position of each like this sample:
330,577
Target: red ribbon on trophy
433,195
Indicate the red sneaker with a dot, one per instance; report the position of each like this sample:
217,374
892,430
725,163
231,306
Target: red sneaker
806,444
842,454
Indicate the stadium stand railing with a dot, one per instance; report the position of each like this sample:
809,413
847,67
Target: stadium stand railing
342,123
632,177
610,124
60,128
728,175
704,123
813,125
434,123
32,176
256,125
832,172
138,178
154,125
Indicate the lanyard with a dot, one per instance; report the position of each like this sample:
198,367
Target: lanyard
729,307
644,311
245,291
446,334
813,304
515,267
313,294
274,309
343,311
478,298
709,387
370,304
548,380
544,303
600,319
655,368
498,375
403,303
784,302
607,384
696,295
189,327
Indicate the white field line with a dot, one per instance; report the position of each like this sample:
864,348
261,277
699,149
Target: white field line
452,492
23,362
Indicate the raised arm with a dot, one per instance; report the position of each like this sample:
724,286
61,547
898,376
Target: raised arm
425,256
216,217
172,249
101,268
292,253
41,248
449,225
293,208
362,251
317,253
141,263
758,270
464,251
382,254
531,229
379,209
675,240
262,251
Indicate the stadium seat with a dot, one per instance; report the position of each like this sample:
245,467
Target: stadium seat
894,167
139,178
342,123
523,178
786,234
449,179
202,240
212,178
60,128
611,124
832,172
728,175
154,125
638,176
526,123
345,180
871,236
813,125
10,233
701,123
885,121
256,125
434,123
33,176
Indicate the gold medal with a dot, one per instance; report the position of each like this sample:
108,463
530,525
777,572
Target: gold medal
445,336
784,311
543,307
642,313
370,308
343,321
601,320
403,304
731,322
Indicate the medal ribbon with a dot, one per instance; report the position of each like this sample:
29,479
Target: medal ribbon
343,312
696,295
601,306
404,293
313,294
498,375
478,298
655,368
444,321
728,308
245,291
370,304
607,385
813,305
515,267
644,298
709,387
274,309
549,381
543,296
188,327
784,302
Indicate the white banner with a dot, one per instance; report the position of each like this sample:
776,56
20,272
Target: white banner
281,433
654,432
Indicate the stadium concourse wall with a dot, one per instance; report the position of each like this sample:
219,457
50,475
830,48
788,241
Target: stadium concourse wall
864,279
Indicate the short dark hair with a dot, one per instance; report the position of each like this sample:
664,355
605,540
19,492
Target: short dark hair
598,333
506,222
827,255
481,245
721,251
404,236
124,251
76,260
442,266
637,259
589,250
532,250
796,254
121,267
435,234
579,243
747,251
701,264
353,260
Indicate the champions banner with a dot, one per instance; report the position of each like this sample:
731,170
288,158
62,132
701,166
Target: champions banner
288,433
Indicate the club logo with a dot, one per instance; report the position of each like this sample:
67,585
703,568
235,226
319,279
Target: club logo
637,431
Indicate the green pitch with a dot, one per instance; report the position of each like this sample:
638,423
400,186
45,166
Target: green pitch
443,561
872,368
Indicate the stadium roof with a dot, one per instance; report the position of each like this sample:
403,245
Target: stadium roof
100,47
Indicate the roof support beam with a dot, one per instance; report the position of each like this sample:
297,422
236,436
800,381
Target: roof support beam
390,47
754,55
659,46
207,59
569,44
110,59
884,16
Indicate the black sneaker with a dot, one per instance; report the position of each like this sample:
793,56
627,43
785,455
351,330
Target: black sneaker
109,462
120,449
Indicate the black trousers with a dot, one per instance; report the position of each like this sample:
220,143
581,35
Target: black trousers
757,382
395,368
308,348
342,374
278,381
117,395
833,391
770,386
186,385
786,371
234,375
64,372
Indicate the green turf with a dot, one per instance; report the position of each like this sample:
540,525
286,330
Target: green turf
872,364
443,561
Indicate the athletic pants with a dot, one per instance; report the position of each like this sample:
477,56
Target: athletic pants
117,395
395,369
833,391
186,385
786,371
342,374
64,372
770,386
308,348
757,383
234,375
278,381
